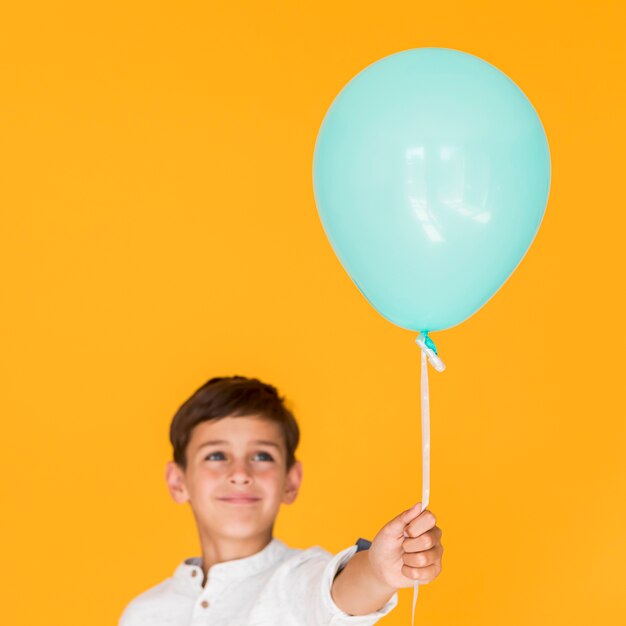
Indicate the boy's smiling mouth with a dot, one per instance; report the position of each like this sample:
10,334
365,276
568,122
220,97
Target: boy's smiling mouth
240,498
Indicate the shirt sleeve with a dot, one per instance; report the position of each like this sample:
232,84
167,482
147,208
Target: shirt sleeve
311,587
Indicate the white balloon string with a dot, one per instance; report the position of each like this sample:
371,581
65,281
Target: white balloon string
429,353
425,434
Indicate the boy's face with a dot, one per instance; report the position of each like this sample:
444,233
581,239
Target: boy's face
236,477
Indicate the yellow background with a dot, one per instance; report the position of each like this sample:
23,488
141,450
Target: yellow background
159,228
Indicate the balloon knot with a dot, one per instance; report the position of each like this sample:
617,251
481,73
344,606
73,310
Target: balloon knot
429,348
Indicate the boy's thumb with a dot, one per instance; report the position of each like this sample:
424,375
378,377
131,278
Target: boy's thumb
412,513
397,524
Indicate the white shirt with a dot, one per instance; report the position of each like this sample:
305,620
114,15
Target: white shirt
278,586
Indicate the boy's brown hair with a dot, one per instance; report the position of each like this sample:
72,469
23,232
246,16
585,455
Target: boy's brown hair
232,396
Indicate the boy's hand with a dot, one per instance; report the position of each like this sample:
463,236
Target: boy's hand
407,549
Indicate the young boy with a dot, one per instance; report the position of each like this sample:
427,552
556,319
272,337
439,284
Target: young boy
234,462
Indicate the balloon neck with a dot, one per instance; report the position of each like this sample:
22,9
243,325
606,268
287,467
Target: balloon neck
430,344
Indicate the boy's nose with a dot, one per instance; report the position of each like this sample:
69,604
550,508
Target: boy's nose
240,476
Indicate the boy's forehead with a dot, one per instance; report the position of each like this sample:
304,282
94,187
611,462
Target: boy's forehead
237,429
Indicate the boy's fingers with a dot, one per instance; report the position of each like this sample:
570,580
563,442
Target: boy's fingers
423,522
425,541
423,559
422,575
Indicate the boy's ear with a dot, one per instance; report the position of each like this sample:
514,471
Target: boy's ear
294,480
175,479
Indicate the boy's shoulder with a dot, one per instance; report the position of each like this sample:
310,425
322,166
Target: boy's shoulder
169,595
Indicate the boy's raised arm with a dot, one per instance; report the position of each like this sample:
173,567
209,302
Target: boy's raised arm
405,550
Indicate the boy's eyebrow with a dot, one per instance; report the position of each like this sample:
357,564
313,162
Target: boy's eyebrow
221,442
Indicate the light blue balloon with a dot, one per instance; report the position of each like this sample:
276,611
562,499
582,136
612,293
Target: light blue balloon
431,175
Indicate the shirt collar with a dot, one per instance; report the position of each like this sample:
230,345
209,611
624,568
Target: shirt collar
190,570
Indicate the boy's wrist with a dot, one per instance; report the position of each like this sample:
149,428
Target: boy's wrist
357,588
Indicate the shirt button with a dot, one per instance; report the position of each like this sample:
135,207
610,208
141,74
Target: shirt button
194,573
204,604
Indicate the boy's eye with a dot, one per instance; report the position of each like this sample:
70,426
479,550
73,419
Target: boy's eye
210,457
263,456
220,456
